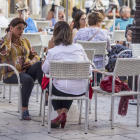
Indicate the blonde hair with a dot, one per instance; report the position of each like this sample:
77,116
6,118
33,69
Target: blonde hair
94,18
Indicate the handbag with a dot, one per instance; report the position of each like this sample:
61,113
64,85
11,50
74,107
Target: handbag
45,82
106,84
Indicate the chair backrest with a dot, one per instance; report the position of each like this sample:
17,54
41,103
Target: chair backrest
42,24
45,39
135,48
69,69
2,31
127,67
90,53
34,38
100,46
38,50
119,35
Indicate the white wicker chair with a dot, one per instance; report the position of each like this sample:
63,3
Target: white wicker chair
67,70
90,53
123,67
42,24
100,48
2,31
119,35
19,87
45,40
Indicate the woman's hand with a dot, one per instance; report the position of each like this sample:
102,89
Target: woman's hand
51,44
9,36
129,35
28,64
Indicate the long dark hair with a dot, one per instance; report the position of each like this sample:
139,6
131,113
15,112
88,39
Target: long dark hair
53,8
77,18
15,22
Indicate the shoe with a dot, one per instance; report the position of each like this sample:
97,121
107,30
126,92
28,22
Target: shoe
25,115
61,119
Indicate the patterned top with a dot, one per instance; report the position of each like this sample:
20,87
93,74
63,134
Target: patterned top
85,34
15,55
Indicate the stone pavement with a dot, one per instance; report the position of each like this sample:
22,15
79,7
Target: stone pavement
11,128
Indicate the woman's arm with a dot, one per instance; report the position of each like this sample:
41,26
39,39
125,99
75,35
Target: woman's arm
74,32
5,45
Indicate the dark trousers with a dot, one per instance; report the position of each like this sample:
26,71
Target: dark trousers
27,79
99,75
87,10
59,104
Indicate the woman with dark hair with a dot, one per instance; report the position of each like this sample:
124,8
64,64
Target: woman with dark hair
80,21
61,48
51,13
17,51
95,20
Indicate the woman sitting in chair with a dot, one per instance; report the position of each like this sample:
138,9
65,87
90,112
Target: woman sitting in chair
61,48
17,51
95,33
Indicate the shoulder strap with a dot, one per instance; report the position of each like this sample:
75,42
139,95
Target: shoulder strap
94,34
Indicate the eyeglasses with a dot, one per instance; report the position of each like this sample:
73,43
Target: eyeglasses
126,12
84,19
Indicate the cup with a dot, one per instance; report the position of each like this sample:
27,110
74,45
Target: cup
103,25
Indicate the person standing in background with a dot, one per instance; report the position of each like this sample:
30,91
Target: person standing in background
3,21
88,3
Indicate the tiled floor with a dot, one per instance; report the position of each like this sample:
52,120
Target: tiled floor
11,128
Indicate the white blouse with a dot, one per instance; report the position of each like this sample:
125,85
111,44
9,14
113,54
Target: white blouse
74,52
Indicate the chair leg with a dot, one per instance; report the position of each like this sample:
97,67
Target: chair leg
3,91
112,112
95,98
49,115
20,102
9,94
80,115
0,88
44,104
86,115
89,106
37,91
138,99
41,102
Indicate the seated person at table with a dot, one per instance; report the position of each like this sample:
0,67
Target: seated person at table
61,16
31,28
86,34
124,19
17,51
3,21
80,21
61,48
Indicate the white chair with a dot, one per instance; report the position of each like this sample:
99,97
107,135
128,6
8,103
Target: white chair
90,53
19,87
2,31
100,48
42,24
45,40
123,67
119,35
67,70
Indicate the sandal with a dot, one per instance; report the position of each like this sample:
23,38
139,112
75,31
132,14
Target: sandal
25,115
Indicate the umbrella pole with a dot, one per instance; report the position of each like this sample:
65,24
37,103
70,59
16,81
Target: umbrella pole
67,11
114,11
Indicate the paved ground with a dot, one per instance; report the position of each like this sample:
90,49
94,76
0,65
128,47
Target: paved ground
11,128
